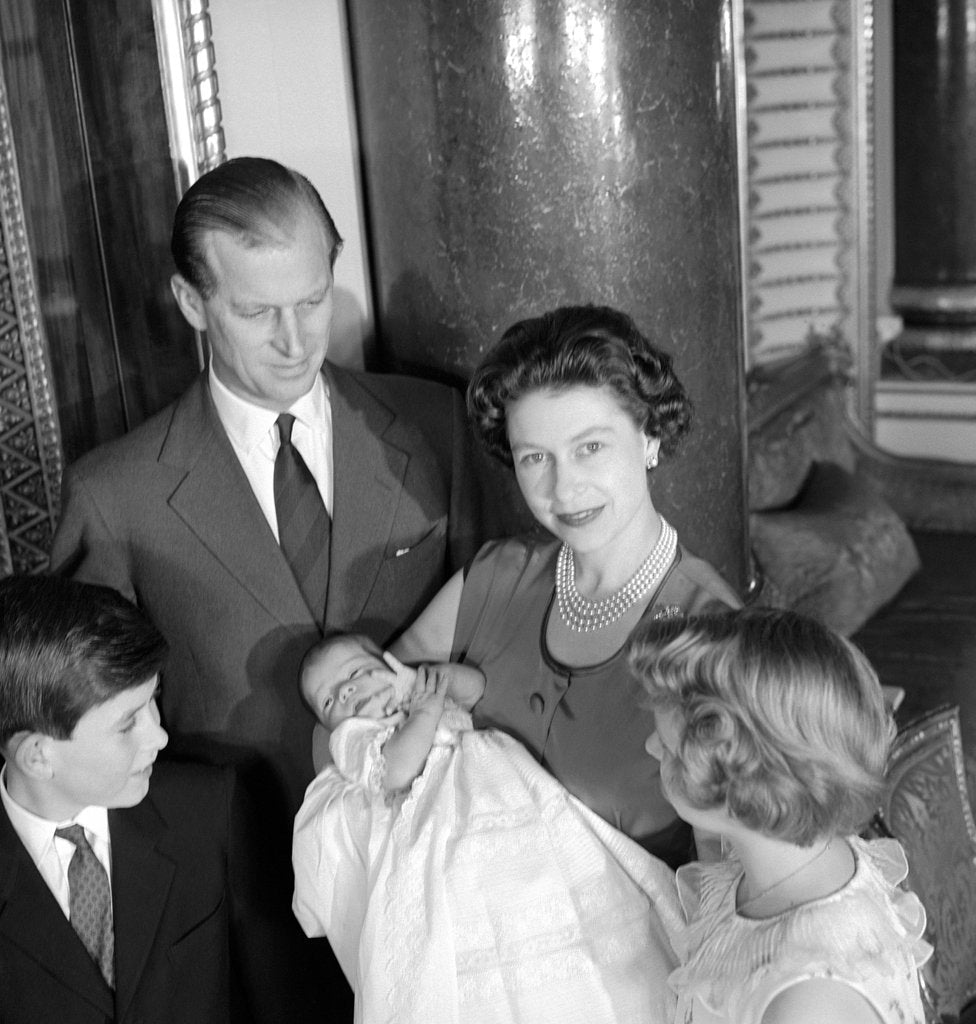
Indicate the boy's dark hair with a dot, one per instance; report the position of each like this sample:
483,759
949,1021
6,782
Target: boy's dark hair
66,647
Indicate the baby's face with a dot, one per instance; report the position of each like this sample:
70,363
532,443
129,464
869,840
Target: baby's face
348,680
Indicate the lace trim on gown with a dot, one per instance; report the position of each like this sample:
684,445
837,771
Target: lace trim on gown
871,928
356,746
413,928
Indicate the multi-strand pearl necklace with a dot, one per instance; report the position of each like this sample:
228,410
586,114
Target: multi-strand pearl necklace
582,615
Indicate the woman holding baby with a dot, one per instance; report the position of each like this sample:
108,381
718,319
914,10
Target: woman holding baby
583,407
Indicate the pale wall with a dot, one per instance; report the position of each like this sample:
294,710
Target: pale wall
283,73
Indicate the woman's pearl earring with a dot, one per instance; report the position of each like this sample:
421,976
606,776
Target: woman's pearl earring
651,461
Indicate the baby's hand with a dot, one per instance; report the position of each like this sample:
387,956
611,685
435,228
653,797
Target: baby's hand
429,690
404,674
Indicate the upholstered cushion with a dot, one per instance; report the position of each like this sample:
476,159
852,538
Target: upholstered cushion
782,453
927,808
838,553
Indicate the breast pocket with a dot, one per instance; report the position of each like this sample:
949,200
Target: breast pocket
414,550
412,571
204,939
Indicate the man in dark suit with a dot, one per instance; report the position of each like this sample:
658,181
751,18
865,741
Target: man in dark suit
173,924
180,515
183,514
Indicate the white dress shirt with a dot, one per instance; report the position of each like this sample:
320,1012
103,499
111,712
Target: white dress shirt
254,438
51,854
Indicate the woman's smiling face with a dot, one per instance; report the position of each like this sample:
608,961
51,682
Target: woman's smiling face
581,464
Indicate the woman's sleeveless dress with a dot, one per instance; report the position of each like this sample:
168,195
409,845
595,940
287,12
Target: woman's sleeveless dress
586,725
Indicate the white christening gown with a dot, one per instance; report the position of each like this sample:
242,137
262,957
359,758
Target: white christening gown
486,894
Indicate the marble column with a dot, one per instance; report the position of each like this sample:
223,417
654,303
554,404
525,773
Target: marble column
524,154
935,187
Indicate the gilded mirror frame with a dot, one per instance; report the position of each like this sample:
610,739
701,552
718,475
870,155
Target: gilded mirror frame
187,65
189,77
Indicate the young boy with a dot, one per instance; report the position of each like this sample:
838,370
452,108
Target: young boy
115,905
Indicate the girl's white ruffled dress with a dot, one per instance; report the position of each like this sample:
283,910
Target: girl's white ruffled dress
868,935
486,894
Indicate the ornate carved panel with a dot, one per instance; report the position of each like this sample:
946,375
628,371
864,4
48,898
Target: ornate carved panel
91,341
30,444
927,808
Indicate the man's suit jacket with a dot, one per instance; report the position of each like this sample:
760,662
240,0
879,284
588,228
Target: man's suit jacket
166,515
191,920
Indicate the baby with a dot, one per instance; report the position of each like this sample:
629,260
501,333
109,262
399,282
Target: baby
349,677
454,877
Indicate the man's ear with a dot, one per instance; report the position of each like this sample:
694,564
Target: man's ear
190,302
31,753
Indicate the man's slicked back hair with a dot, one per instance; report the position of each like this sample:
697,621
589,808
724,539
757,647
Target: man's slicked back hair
256,200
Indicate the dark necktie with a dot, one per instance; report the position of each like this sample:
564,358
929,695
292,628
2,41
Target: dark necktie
90,902
304,527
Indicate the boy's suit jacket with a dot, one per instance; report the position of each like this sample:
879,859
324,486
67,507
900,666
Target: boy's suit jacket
192,925
166,515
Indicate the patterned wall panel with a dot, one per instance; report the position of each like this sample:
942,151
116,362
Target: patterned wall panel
807,245
30,446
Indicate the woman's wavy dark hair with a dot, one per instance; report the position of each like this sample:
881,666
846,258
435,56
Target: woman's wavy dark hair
573,345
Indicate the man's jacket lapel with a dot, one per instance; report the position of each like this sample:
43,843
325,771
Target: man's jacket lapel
369,469
215,501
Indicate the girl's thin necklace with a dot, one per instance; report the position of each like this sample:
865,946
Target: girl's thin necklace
786,878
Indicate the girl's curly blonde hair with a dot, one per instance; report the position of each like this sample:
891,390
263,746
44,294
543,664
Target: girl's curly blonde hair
781,721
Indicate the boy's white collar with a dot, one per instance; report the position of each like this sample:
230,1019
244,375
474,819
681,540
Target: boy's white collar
37,833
